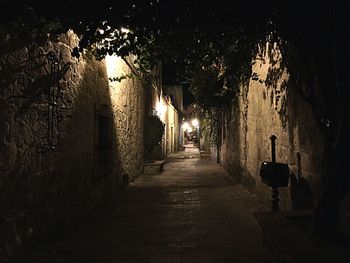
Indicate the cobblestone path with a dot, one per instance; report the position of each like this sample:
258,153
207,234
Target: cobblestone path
192,212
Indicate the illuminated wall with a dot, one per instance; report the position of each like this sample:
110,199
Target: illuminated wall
172,127
271,105
162,106
60,160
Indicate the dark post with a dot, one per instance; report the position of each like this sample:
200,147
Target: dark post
274,193
274,198
273,148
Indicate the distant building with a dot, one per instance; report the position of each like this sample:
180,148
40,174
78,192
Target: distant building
166,103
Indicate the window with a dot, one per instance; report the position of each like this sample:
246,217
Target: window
103,141
103,144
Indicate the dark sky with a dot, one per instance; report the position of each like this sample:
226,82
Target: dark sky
169,77
188,97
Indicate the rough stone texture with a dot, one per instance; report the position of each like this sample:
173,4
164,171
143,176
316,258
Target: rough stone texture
43,189
191,213
268,105
155,167
127,98
161,105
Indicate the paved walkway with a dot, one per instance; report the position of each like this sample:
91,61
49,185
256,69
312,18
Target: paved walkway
192,212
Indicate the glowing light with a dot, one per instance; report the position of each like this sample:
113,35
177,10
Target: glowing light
195,122
114,65
189,129
160,109
124,30
185,125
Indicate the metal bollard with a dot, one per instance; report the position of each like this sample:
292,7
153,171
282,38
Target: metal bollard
275,175
275,195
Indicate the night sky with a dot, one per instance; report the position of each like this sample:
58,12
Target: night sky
169,77
188,97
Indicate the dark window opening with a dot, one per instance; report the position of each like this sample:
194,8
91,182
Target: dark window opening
103,139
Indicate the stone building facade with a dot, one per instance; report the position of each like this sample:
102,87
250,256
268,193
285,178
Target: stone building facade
270,105
169,115
69,138
176,94
171,143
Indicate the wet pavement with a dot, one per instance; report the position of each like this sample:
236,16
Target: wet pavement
191,212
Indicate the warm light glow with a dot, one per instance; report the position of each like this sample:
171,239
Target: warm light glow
189,129
195,122
185,125
160,109
114,66
125,30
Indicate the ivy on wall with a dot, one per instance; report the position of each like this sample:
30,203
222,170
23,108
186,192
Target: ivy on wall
153,134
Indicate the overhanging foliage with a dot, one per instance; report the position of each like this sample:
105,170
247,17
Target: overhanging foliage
213,41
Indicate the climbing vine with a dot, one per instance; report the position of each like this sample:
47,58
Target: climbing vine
199,39
153,134
210,123
212,47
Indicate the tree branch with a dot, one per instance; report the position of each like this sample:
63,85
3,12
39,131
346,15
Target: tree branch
132,68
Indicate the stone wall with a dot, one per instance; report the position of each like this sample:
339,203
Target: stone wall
159,103
269,104
172,126
69,138
128,103
164,109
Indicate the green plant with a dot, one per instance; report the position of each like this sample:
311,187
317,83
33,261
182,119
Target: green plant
210,121
153,134
220,43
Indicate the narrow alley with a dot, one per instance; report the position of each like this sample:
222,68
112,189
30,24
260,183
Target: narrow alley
174,131
191,212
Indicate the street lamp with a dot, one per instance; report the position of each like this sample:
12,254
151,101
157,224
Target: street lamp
185,125
195,123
